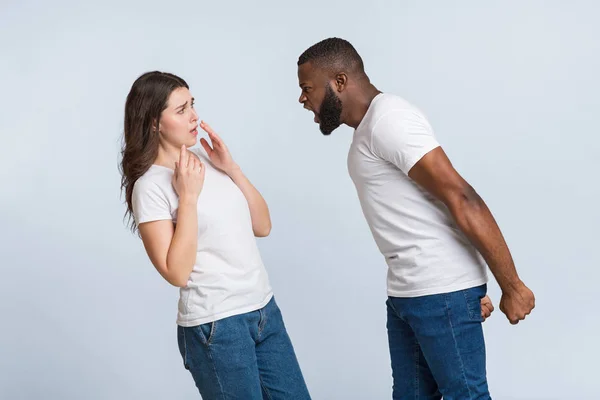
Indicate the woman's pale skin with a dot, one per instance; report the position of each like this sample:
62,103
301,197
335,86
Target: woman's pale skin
172,247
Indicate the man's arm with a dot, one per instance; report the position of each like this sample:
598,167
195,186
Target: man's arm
435,173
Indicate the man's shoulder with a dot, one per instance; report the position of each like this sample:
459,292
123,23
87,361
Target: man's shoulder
395,105
390,110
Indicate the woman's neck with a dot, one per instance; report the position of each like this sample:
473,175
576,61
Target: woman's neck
167,155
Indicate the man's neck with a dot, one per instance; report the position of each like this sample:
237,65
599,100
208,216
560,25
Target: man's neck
360,104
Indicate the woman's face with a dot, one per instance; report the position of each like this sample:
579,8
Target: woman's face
178,123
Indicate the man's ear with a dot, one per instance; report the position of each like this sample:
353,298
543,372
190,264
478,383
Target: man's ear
341,82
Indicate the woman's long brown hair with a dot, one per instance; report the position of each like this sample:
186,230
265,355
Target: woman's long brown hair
145,102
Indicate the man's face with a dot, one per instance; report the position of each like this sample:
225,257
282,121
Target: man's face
319,97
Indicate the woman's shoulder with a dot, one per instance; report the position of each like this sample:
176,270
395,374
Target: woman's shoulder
157,179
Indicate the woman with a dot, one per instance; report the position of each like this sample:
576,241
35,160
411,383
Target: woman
198,215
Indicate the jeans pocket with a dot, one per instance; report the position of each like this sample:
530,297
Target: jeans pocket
207,332
473,298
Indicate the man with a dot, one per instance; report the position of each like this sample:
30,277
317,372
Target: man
433,229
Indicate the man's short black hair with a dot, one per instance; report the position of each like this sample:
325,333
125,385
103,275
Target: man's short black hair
334,55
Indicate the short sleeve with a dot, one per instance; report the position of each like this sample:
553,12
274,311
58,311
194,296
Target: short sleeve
403,137
149,203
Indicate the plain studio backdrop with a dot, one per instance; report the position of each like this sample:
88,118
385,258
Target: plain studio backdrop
510,88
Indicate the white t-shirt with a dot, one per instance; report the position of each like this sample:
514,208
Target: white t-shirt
425,251
228,277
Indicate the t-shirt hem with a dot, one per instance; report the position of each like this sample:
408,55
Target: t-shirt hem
422,153
154,218
438,290
188,323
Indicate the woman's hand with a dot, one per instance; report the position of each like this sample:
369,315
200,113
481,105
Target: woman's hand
219,154
188,178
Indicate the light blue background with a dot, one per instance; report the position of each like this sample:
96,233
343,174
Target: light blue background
511,88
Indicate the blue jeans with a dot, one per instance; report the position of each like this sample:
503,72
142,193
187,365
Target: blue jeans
437,347
243,357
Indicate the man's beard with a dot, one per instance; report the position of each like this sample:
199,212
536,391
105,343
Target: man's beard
330,112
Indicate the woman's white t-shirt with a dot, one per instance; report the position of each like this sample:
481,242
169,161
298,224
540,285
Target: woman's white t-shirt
229,277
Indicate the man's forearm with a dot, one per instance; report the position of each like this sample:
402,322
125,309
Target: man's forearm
477,222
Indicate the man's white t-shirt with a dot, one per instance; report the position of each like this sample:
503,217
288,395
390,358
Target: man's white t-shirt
425,251
229,277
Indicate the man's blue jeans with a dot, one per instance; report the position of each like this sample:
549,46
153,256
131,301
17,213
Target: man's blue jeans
437,346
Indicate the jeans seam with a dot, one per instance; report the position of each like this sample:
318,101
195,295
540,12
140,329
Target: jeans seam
213,328
214,367
469,311
262,322
462,366
416,369
264,387
185,351
473,315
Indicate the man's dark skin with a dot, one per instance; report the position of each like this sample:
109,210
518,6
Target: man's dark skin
342,96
